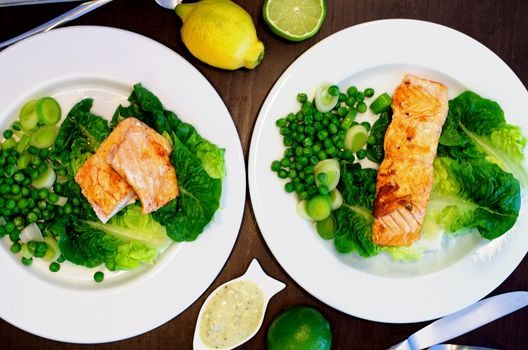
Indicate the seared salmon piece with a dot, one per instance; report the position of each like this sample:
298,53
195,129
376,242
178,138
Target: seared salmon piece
105,189
142,159
405,177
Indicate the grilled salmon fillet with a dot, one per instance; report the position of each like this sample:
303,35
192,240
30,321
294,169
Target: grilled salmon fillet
104,188
142,159
405,177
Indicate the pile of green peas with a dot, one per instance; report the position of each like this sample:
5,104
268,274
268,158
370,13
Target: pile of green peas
311,136
21,204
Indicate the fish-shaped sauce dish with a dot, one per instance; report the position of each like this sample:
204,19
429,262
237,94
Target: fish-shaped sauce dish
234,311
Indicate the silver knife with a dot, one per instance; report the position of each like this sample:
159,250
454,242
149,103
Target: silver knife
66,17
465,320
5,3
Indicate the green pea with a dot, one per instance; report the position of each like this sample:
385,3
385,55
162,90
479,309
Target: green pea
32,150
98,276
54,267
304,195
302,97
53,198
351,91
287,142
288,187
350,101
10,204
284,131
314,159
366,125
26,261
283,174
61,259
5,189
333,90
44,153
318,126
361,154
332,128
14,236
284,162
288,153
323,134
42,247
318,116
342,97
22,203
360,96
8,134
281,122
321,155
323,189
369,92
342,111
361,107
299,187
290,117
275,166
310,179
32,217
15,248
308,142
18,177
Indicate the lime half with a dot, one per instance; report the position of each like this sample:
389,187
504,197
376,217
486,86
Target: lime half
295,20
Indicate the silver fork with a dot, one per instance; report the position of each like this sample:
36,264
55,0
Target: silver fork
66,17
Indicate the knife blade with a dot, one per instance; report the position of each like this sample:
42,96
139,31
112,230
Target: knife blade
66,17
465,320
6,3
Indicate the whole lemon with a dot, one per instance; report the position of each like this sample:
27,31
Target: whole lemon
220,33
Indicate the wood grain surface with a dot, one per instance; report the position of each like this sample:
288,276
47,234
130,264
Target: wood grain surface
500,25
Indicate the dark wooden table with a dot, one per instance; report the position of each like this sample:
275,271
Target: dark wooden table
500,25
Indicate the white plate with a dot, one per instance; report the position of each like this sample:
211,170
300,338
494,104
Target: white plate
378,54
104,63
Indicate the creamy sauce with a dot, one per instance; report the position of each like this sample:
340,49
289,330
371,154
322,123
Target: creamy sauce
232,314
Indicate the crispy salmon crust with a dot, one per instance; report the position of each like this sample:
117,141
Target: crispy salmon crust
104,188
142,159
405,177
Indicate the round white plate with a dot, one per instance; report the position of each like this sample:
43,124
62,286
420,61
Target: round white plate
104,63
378,54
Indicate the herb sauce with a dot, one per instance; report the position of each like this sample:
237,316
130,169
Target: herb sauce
232,314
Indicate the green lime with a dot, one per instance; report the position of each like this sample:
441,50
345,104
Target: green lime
295,20
299,328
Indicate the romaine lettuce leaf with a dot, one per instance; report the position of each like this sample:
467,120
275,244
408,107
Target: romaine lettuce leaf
127,241
354,218
476,128
473,194
199,197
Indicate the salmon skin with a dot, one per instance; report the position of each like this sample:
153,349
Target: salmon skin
405,176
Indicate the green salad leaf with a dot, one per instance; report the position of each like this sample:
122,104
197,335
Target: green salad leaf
80,135
199,196
474,194
476,128
375,151
354,218
125,242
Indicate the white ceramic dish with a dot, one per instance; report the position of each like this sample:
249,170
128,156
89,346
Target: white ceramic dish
379,288
104,63
255,274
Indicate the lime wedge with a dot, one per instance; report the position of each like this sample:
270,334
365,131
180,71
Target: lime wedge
295,20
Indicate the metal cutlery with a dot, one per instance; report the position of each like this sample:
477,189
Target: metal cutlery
465,320
66,17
